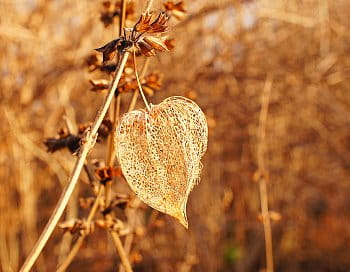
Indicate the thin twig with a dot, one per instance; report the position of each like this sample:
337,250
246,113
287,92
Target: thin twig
116,111
130,236
131,223
119,246
265,100
136,93
110,149
74,250
139,83
87,144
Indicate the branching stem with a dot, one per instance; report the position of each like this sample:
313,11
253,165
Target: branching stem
87,143
118,244
73,252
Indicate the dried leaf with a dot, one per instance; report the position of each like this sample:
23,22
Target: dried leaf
160,24
105,174
160,151
146,49
143,24
156,43
109,50
70,141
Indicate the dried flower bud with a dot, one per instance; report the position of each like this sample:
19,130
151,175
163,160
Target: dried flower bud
73,225
160,24
156,43
106,174
109,50
143,24
146,49
70,141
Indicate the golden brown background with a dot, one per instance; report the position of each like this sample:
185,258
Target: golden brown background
225,53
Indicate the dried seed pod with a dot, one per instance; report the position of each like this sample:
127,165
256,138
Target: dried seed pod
160,151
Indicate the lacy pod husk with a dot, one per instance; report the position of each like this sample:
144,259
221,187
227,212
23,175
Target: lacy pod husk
160,151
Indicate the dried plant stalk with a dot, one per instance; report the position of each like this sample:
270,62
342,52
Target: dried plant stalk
88,143
265,100
160,150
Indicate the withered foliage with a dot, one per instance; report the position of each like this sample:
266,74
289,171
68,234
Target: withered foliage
71,141
109,50
224,52
150,83
146,25
145,35
63,140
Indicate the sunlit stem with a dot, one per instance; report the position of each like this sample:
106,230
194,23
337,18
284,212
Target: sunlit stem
139,83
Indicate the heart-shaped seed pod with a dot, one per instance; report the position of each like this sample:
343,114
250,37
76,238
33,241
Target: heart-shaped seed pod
159,151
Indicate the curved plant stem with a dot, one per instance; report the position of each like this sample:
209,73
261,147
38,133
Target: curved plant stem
262,170
87,143
139,83
74,250
130,235
136,93
131,222
118,244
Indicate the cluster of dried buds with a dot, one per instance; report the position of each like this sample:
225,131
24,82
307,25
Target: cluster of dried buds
77,226
145,38
82,227
128,83
107,173
71,141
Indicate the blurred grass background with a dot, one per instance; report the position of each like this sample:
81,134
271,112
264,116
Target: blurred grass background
225,51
